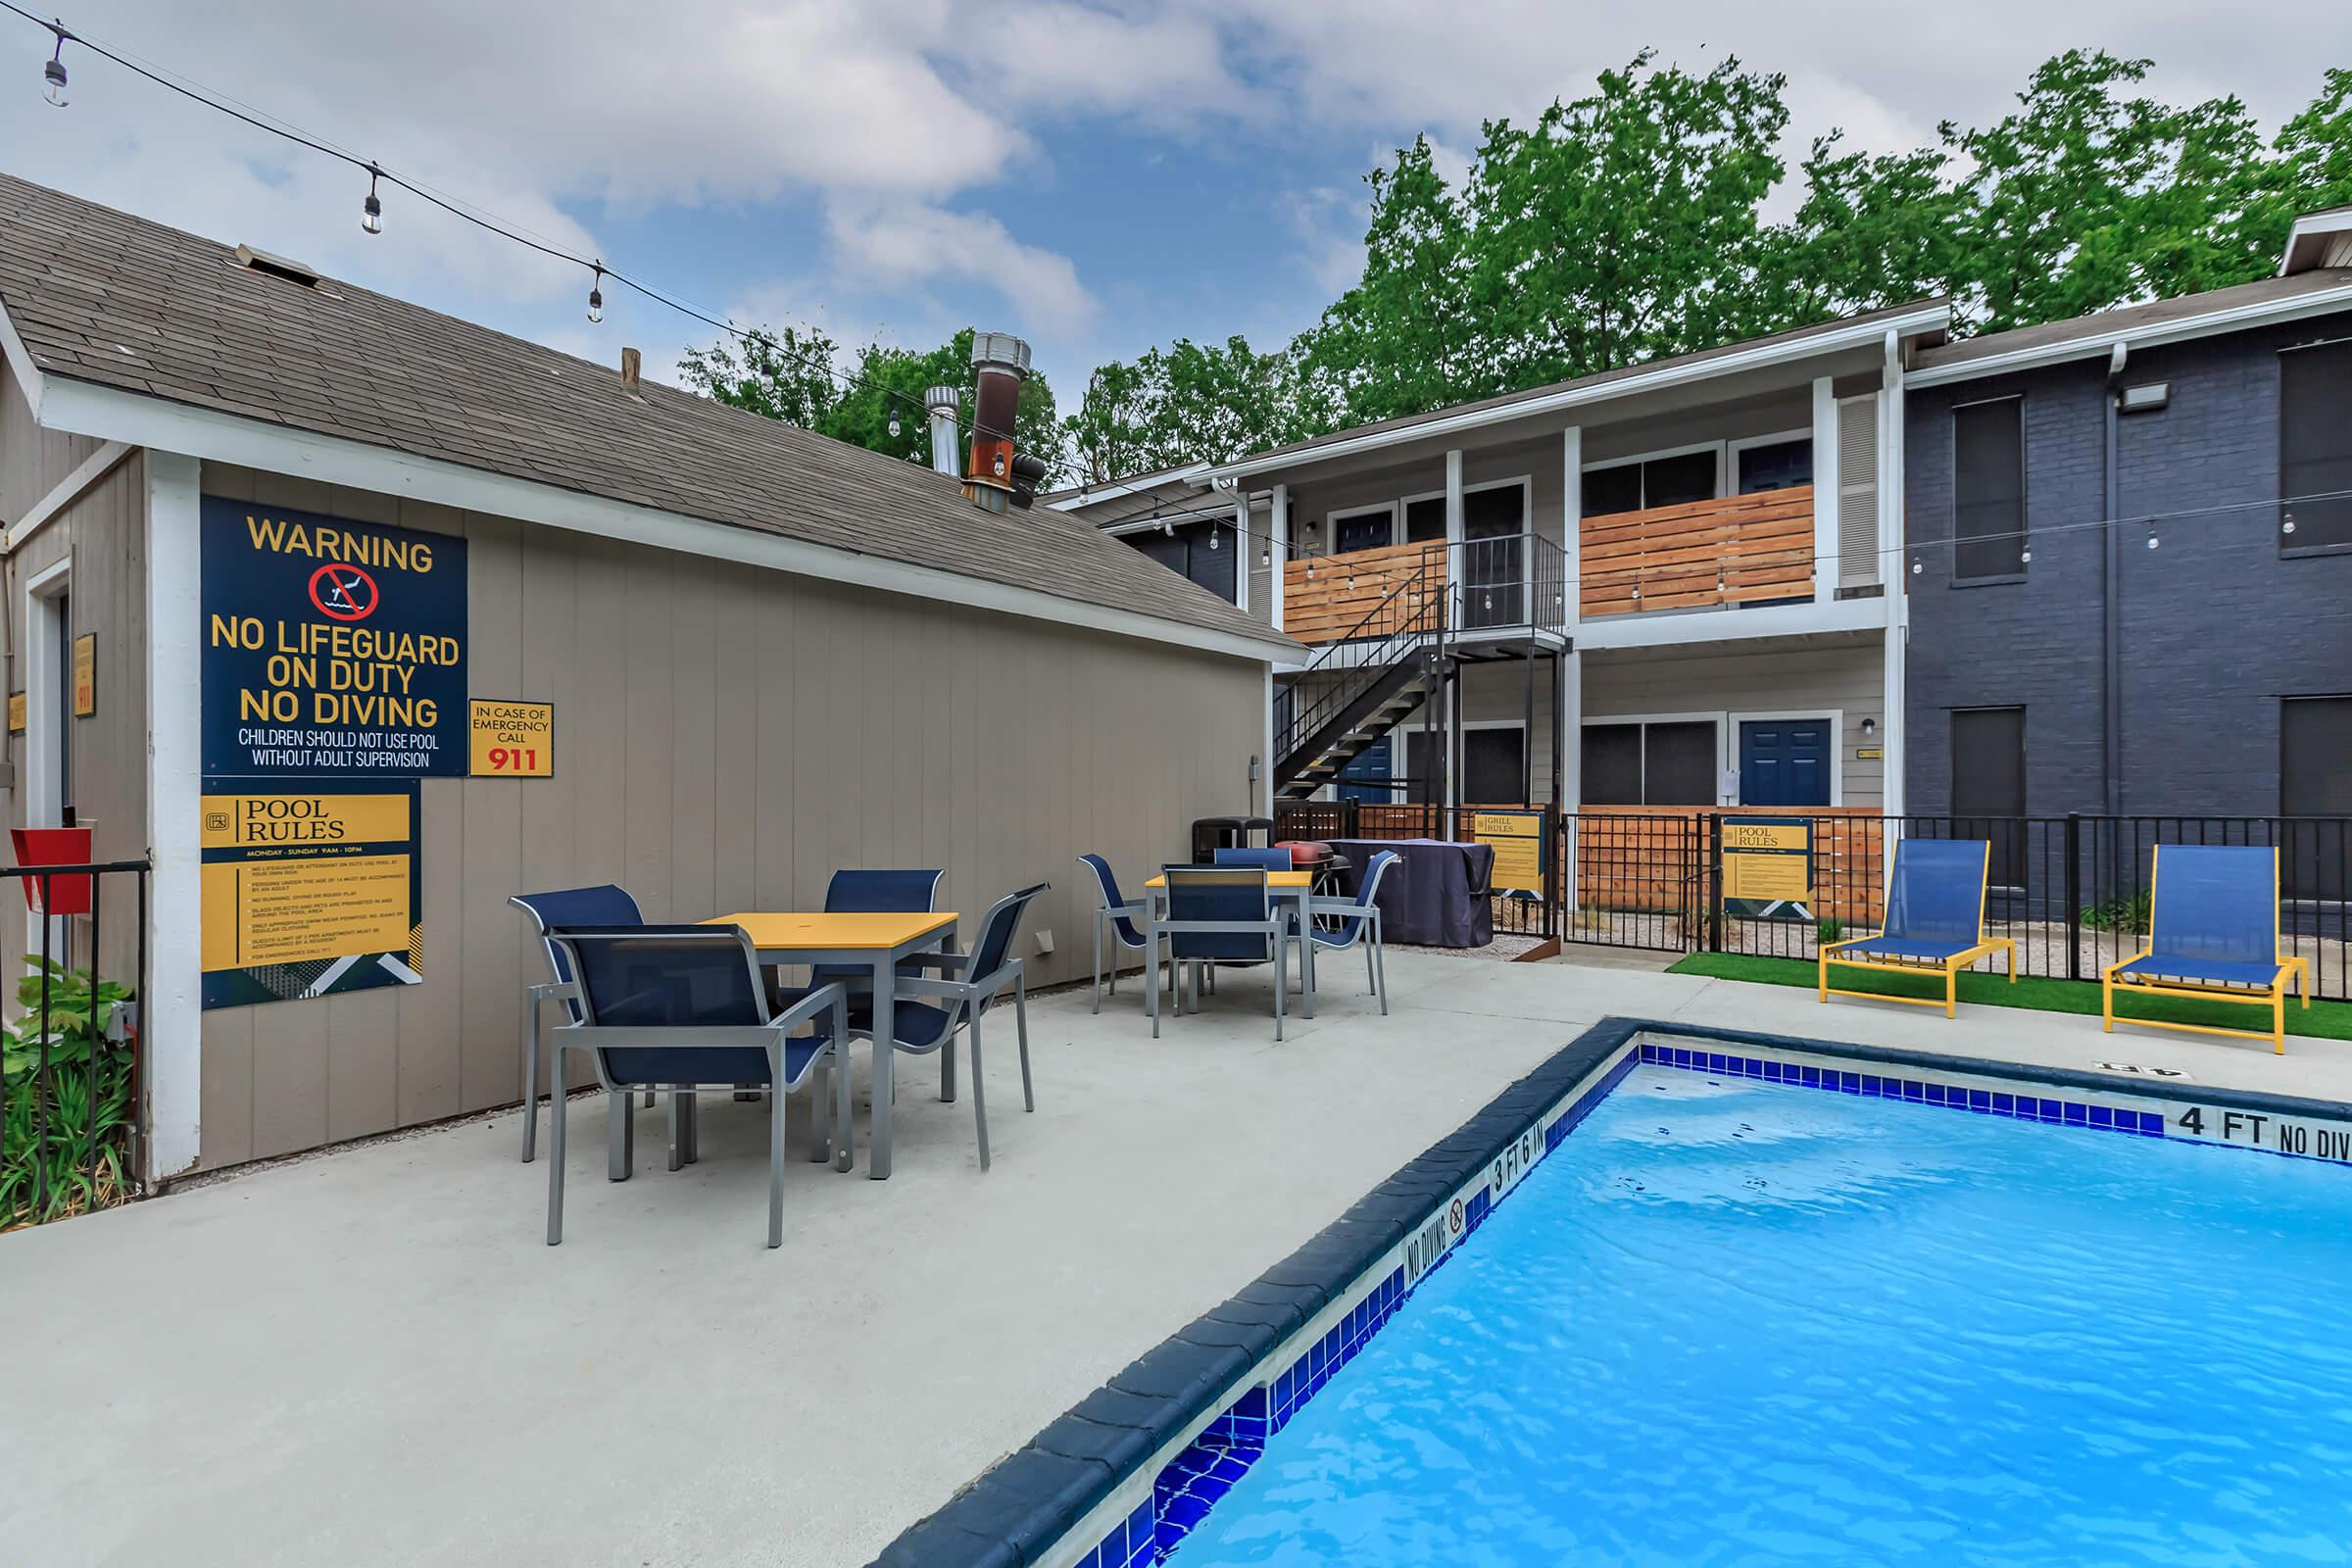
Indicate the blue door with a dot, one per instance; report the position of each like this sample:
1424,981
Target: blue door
1784,762
1357,780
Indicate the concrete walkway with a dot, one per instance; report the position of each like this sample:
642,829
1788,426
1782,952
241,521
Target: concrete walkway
371,1356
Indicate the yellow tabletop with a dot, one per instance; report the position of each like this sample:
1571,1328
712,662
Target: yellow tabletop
1294,880
835,933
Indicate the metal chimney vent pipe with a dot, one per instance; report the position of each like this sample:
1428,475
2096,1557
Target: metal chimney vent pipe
1001,362
942,403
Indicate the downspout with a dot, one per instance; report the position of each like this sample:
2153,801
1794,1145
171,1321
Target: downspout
2111,594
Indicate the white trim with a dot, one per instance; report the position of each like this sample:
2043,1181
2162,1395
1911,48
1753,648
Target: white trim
1278,557
2317,239
19,360
1732,447
1715,446
45,715
1240,552
1768,716
2320,302
1572,526
72,488
1828,476
113,414
1577,395
1667,628
171,1018
1120,530
1454,501
1136,486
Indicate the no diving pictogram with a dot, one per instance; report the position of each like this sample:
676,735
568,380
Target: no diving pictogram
343,592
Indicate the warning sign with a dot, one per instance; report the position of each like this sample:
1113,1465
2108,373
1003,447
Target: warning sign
85,674
1767,868
330,646
1517,838
514,740
308,891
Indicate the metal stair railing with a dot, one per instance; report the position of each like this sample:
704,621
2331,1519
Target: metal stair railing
1410,616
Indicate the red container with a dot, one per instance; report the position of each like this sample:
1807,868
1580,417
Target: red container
1305,853
54,846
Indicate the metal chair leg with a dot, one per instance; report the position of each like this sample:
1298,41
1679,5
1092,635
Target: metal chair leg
1115,973
1152,991
1280,982
821,1111
775,1146
1020,1019
979,1098
554,1163
620,1135
679,1111
530,1077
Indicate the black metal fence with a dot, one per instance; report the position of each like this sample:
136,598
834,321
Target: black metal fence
69,1095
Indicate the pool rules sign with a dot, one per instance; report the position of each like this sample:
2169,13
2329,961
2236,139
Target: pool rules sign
333,679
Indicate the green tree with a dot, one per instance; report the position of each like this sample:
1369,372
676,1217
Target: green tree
1188,403
798,376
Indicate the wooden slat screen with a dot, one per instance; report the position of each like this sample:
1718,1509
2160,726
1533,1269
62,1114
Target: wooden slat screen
1343,589
1736,550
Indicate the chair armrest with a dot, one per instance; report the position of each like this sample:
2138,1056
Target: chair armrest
819,1001
944,990
952,961
2108,970
1348,906
552,991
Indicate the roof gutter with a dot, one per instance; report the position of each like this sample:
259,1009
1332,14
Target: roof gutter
1090,493
140,419
1577,395
2102,345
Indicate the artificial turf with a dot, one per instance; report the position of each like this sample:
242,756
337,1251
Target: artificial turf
2327,1020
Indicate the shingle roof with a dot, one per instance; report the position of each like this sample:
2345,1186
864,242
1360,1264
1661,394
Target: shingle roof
1502,403
84,283
2100,325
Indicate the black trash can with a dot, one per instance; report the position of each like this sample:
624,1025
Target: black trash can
1213,833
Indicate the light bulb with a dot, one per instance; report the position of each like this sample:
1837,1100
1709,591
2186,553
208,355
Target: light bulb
2026,555
1213,535
999,464
54,74
2151,538
371,211
2286,524
894,426
1916,568
1265,556
596,295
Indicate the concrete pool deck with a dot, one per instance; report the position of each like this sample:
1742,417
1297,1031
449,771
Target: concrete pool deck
371,1355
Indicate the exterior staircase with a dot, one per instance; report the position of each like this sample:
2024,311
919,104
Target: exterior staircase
1361,686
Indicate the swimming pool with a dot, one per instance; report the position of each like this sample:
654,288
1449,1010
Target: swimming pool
1698,1295
1737,1321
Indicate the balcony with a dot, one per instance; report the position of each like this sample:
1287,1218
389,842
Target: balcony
1490,586
1701,555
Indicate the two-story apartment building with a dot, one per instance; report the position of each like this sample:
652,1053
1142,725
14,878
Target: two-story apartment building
2098,566
1661,585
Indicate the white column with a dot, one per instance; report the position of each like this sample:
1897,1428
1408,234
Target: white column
1453,497
1572,525
1895,573
1827,569
1265,773
1571,719
1279,551
1242,556
171,1013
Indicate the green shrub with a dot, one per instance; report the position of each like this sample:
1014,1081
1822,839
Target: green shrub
2128,915
80,1164
1828,929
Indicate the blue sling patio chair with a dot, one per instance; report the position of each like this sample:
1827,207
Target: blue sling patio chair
1357,921
886,892
977,981
2213,934
1119,915
1219,914
1270,860
600,905
1934,922
683,1008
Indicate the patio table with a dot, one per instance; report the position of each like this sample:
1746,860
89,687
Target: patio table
1295,886
873,941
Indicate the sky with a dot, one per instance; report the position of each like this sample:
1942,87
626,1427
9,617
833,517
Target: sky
1098,177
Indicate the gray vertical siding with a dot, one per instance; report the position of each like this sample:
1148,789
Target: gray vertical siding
725,738
2217,624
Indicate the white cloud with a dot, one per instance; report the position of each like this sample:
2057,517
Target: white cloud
904,245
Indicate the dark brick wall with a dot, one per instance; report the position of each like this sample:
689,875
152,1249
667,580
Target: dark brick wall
2217,625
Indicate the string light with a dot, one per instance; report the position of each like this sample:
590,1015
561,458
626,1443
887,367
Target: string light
893,424
2151,536
2286,522
1213,535
53,74
371,211
595,294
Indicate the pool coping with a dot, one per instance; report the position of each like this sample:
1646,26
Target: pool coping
1099,1463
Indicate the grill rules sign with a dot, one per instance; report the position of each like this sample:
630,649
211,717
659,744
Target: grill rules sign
331,648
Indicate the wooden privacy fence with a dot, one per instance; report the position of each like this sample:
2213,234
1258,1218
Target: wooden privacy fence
1325,598
1732,551
1655,858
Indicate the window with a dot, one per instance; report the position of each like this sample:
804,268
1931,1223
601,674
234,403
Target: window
1774,466
2315,780
1988,784
1989,489
1424,520
2315,445
1370,528
1651,482
1639,763
1203,552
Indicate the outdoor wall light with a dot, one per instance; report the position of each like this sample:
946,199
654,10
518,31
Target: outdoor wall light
2147,397
1870,727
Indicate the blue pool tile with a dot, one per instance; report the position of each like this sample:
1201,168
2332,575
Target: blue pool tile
2101,1117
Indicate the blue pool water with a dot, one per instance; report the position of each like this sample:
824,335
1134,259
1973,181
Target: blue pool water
1730,1322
